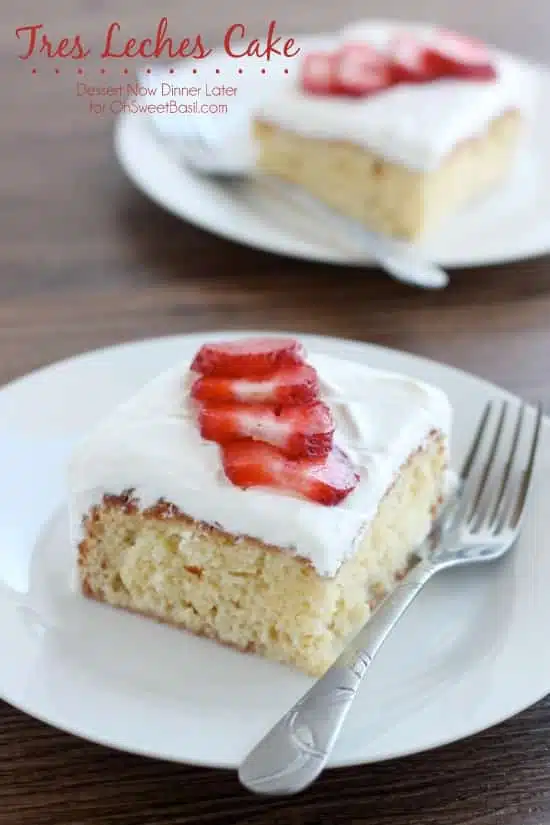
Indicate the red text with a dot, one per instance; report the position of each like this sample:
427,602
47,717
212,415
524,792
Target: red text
148,48
254,48
66,47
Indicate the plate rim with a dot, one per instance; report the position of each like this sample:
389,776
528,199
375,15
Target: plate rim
229,332
319,341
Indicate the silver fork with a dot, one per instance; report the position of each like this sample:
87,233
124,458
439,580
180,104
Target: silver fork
480,524
203,153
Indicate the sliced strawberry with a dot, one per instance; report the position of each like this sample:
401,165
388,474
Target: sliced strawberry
247,357
287,386
319,73
327,481
300,431
455,55
411,61
362,70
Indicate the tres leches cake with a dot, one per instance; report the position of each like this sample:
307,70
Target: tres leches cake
259,498
397,130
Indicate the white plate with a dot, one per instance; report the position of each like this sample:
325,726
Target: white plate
510,224
468,655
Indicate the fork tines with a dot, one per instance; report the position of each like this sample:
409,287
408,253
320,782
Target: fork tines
497,472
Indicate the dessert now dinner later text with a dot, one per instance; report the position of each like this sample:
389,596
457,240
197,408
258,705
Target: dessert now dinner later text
116,44
163,90
167,98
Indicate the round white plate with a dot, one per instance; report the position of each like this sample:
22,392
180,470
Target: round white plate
510,224
466,656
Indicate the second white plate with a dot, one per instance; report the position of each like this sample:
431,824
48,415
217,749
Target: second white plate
511,224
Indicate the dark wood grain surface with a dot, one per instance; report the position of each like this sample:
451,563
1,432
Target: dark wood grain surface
87,261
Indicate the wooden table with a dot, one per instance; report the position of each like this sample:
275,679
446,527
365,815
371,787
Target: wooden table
86,261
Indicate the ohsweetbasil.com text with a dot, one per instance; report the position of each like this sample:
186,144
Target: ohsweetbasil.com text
163,43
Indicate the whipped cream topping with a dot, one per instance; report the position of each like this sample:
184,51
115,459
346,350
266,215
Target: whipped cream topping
152,444
416,125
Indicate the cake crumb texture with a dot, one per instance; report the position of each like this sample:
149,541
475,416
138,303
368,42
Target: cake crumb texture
240,592
388,197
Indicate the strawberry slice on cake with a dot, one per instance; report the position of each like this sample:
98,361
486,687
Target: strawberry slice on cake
319,73
298,384
453,55
362,70
411,60
249,358
326,481
300,431
443,55
354,70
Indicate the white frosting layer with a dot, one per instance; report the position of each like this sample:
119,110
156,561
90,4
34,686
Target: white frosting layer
152,444
416,125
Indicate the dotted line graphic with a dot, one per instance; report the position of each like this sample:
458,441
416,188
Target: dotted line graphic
80,71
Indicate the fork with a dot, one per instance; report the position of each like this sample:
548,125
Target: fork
480,523
204,153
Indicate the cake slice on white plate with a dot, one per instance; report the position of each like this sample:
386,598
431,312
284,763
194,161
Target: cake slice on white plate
397,129
260,498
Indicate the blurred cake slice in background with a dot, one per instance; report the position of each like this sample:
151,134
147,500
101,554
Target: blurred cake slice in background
398,129
260,498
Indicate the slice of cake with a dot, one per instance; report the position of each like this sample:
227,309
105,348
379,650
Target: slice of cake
258,498
398,133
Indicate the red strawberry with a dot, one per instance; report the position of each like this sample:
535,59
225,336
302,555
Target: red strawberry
319,73
411,60
247,357
287,386
327,481
455,55
298,431
362,70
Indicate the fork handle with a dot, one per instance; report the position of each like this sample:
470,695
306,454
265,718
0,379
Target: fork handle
296,750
